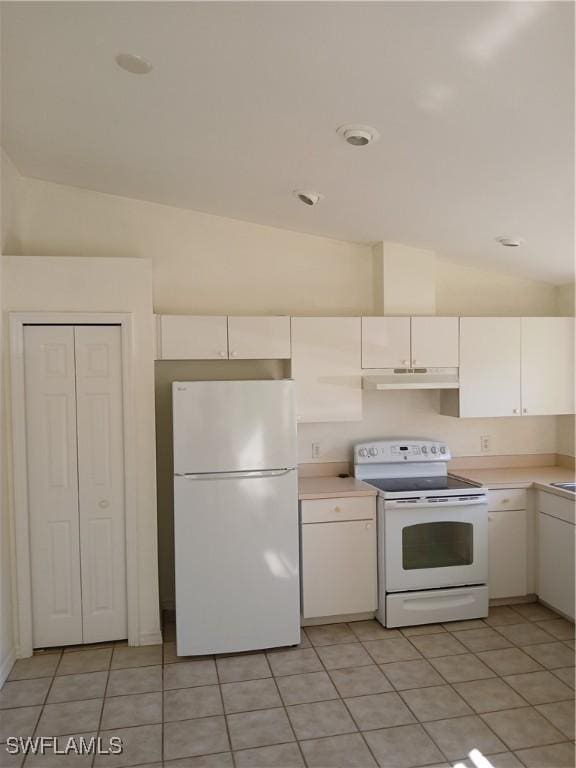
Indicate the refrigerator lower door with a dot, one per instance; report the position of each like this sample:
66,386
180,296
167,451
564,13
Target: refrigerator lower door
237,569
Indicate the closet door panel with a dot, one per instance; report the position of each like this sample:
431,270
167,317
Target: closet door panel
52,485
101,481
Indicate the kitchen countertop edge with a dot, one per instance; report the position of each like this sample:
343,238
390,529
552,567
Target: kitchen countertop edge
332,488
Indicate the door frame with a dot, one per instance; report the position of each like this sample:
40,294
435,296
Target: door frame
22,589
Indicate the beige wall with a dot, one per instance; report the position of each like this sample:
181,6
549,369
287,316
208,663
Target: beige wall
7,639
11,183
566,300
464,290
202,264
415,414
209,264
108,285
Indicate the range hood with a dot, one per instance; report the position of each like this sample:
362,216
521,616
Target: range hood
411,378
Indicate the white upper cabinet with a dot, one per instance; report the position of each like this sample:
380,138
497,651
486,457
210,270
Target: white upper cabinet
409,342
258,338
547,365
326,368
193,337
489,366
434,342
385,342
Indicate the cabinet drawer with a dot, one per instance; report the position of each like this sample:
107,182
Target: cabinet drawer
336,510
512,498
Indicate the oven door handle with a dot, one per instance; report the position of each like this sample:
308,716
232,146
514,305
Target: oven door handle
456,502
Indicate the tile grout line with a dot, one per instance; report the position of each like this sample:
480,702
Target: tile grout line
225,716
99,727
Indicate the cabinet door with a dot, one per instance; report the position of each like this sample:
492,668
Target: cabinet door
547,365
259,338
100,421
52,468
556,544
434,342
338,568
489,366
507,553
326,368
385,342
193,337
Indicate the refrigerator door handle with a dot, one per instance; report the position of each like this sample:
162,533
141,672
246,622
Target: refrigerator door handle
238,475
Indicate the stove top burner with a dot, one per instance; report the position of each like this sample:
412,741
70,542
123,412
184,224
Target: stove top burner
408,484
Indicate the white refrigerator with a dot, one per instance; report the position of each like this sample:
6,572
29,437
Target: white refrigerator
235,516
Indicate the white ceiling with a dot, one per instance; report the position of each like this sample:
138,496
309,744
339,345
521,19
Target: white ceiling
473,101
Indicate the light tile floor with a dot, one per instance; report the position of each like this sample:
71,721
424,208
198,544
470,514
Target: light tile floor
350,696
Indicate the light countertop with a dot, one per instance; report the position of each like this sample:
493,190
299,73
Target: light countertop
332,487
516,477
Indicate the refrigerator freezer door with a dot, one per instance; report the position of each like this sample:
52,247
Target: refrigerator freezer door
237,570
233,426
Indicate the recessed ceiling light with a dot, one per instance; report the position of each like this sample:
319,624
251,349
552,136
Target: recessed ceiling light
308,198
358,135
136,65
510,242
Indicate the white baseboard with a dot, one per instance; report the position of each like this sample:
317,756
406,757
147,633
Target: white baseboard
150,638
6,666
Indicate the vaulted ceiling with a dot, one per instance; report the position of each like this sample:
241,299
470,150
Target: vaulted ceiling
473,102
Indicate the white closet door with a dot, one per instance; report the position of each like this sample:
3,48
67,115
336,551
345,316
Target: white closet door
52,485
101,481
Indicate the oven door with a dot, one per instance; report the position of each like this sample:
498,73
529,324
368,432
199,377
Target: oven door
435,543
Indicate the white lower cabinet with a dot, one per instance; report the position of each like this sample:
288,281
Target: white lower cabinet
508,549
338,558
556,552
509,541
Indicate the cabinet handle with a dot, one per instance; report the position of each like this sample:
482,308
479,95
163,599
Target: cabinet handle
505,501
405,362
515,410
233,354
104,504
337,509
368,525
524,410
490,518
414,362
222,354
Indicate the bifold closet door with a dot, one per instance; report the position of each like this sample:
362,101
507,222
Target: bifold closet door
74,430
49,367
101,481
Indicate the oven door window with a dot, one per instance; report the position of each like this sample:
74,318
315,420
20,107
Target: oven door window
437,545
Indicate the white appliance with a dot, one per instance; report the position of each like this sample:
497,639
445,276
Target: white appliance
432,533
235,516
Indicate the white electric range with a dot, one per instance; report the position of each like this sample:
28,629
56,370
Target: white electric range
432,533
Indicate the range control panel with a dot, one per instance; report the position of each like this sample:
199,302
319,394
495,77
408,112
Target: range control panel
396,451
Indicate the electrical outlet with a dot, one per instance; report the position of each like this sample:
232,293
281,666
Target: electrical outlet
316,450
485,444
